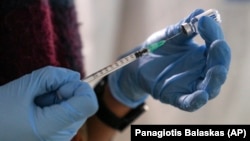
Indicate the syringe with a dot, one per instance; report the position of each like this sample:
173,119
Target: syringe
187,29
49,98
124,61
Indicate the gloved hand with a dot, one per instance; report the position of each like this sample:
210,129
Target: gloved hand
22,120
181,73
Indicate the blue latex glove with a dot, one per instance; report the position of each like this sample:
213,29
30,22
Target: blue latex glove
22,120
181,73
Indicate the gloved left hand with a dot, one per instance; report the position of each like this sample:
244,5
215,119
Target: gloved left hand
22,120
181,73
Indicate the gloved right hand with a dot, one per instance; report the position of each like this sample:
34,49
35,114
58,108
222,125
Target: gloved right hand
21,119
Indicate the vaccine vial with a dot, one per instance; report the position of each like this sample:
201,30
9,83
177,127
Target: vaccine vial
191,27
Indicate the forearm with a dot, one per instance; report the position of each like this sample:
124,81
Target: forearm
97,130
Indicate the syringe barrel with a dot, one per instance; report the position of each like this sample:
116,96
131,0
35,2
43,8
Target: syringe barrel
191,27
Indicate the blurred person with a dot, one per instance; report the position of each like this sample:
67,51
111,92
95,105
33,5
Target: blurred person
40,51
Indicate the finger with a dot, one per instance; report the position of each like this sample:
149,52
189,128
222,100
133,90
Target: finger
182,38
41,81
172,30
209,30
181,91
218,61
213,81
219,54
50,79
47,99
79,107
56,97
192,102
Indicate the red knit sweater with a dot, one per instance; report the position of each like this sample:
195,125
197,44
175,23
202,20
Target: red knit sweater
36,33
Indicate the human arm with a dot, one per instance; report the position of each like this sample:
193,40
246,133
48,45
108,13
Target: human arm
181,73
97,129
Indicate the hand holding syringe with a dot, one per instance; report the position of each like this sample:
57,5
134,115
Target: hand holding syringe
187,28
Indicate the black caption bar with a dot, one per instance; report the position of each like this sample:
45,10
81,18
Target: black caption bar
173,132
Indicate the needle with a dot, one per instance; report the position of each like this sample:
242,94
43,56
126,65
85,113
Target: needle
126,60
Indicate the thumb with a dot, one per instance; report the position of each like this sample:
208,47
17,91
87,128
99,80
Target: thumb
81,105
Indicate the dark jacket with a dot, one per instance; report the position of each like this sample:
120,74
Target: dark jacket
37,33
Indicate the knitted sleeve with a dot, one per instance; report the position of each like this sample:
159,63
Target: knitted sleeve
67,38
36,33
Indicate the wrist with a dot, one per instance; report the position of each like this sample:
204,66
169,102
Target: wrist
113,113
113,105
125,90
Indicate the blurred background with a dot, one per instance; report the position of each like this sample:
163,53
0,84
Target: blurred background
110,28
